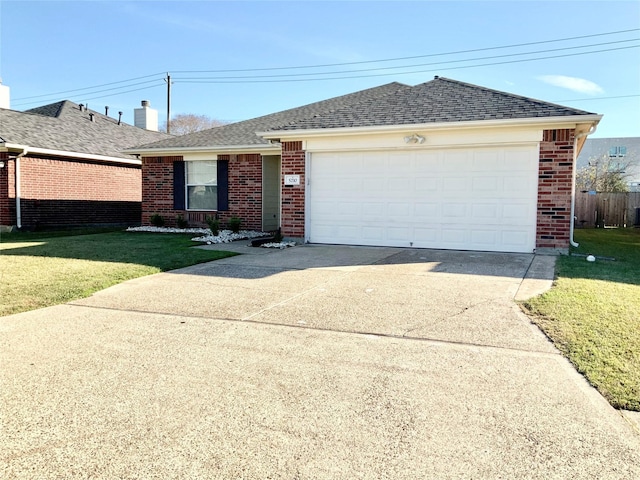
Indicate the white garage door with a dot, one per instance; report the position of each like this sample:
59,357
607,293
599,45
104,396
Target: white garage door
466,199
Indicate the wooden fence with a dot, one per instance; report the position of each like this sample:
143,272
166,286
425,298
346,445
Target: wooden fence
607,209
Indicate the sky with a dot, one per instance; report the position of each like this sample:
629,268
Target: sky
237,60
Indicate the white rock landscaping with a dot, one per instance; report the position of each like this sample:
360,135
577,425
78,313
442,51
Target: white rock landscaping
224,236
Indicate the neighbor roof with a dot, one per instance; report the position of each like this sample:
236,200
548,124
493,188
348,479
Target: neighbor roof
62,126
440,100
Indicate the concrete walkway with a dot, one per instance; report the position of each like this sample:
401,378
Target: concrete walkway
316,362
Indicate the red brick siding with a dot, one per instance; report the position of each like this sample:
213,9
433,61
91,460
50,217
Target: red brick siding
57,192
245,192
293,163
555,177
157,188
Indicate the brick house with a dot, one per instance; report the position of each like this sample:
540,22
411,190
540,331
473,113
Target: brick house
62,166
443,164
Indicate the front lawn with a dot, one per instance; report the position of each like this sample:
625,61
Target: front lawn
592,313
43,269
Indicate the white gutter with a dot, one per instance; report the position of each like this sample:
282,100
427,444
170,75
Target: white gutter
17,173
591,130
62,153
542,122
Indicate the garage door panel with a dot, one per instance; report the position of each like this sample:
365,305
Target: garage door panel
485,212
454,210
423,236
484,238
482,199
399,234
426,184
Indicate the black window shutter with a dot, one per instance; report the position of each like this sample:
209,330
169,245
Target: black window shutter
178,186
223,185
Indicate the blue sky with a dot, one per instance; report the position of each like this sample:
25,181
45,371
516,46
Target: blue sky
117,53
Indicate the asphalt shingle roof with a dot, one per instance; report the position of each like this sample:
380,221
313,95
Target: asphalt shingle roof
244,133
63,126
439,100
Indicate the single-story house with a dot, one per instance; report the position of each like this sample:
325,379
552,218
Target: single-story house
61,165
443,164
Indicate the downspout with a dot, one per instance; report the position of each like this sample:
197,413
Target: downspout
18,210
591,130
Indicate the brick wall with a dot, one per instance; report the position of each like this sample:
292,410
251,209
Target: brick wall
245,192
293,163
59,192
7,192
555,176
157,188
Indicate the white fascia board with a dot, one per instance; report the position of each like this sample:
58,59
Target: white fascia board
216,150
539,122
78,155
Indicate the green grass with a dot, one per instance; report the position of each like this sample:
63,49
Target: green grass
43,269
592,313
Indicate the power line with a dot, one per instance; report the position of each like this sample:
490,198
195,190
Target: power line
596,98
411,72
184,79
257,79
412,57
90,88
109,89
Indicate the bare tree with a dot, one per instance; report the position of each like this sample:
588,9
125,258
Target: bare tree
604,174
185,123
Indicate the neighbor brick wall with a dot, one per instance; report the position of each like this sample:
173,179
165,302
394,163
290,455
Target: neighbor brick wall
245,192
60,192
555,176
293,163
7,192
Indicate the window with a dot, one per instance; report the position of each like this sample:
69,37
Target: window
617,151
201,185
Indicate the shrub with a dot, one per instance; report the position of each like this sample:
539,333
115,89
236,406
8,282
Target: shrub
156,220
214,225
181,222
234,224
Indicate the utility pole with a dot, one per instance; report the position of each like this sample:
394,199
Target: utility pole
168,80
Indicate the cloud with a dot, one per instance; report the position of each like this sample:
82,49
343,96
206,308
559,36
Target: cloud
579,85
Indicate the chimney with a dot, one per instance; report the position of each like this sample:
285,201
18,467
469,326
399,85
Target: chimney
5,98
145,117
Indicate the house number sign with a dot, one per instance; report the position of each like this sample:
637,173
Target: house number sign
292,179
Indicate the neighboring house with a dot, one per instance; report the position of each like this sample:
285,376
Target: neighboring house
443,164
621,154
62,165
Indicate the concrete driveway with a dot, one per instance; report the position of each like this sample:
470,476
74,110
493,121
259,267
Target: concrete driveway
317,362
